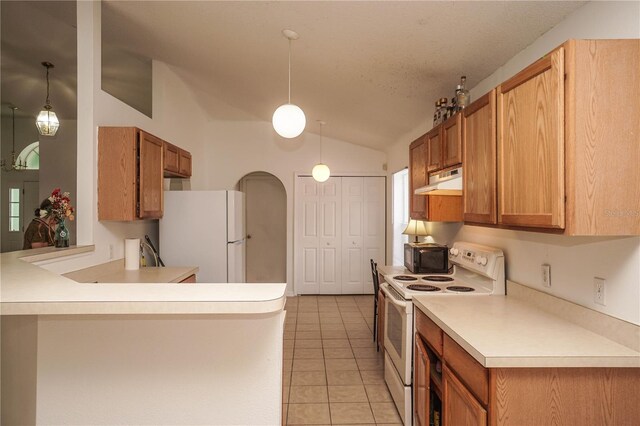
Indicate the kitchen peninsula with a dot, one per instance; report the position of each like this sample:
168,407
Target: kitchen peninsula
80,353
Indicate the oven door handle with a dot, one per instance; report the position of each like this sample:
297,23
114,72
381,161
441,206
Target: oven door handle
392,298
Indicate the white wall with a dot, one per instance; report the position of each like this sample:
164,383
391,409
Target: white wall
574,261
238,148
177,118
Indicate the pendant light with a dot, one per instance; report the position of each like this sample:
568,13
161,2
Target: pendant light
47,121
321,171
19,165
289,120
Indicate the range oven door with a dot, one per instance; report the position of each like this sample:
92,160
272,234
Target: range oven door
398,331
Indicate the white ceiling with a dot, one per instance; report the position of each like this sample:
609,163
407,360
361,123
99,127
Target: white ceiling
371,70
34,32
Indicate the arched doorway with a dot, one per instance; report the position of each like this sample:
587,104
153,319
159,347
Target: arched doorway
266,228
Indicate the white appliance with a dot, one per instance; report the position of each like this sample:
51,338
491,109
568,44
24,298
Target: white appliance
477,270
445,183
205,229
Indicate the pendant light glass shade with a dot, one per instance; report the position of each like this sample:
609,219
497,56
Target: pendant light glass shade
289,121
321,172
47,121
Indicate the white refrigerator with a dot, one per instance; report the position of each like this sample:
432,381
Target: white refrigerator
205,229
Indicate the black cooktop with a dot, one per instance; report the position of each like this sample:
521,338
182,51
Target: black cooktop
405,278
437,278
422,287
460,288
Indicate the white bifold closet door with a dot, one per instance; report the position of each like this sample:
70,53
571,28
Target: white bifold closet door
340,225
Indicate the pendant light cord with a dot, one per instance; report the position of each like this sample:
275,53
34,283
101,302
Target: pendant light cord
289,70
48,101
321,143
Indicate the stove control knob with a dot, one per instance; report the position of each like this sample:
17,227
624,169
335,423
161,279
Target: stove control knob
481,260
454,251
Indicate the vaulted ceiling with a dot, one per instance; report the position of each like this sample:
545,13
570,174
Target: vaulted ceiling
371,70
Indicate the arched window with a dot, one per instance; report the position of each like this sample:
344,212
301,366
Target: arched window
31,156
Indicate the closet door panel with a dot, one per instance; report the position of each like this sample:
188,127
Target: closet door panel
307,237
352,234
330,202
374,220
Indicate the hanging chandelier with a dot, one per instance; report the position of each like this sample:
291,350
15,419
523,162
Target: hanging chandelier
47,121
288,119
18,165
321,171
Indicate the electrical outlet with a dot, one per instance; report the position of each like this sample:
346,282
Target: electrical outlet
546,275
110,251
598,291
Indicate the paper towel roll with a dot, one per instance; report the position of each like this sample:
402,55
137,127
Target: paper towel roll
132,254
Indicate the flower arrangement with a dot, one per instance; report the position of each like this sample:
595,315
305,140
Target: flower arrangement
61,208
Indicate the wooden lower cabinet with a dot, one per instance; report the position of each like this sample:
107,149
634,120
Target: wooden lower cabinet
421,389
474,395
459,405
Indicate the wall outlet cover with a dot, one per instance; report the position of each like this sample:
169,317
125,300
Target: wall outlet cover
545,269
599,291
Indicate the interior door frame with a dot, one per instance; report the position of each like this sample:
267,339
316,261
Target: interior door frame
296,212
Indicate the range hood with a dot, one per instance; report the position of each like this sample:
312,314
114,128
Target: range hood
445,183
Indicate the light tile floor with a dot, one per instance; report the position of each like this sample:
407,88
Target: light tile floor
333,374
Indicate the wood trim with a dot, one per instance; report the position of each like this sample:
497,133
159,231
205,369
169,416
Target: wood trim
430,331
470,371
529,220
526,74
191,279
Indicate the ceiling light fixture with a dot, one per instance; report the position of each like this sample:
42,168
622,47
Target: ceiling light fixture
19,165
289,120
321,171
47,121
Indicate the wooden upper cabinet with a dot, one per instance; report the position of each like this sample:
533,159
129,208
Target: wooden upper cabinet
117,173
171,158
531,145
434,149
459,405
130,185
151,184
603,137
417,178
177,161
479,158
185,163
452,141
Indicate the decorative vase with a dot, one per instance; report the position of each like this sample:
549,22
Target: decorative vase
62,235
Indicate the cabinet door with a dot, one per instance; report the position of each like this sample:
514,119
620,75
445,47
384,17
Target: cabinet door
480,162
459,406
171,158
185,163
434,149
151,184
531,145
421,372
117,173
417,178
452,141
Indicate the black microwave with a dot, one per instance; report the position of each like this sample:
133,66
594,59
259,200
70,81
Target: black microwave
426,258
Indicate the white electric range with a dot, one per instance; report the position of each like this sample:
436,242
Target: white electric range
476,270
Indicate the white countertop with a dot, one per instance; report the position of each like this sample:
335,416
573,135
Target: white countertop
114,272
27,289
501,331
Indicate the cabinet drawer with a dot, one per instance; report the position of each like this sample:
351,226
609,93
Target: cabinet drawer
430,331
470,371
